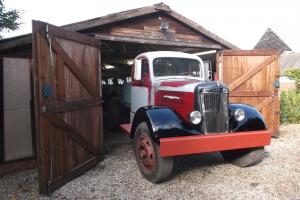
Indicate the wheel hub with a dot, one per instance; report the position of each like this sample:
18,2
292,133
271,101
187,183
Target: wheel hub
145,152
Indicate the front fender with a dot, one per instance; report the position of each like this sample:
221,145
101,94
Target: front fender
162,122
253,119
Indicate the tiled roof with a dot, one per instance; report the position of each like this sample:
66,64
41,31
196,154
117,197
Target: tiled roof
270,40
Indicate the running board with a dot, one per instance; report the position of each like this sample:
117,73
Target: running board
126,128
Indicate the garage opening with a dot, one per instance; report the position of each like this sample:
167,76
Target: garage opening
116,78
116,82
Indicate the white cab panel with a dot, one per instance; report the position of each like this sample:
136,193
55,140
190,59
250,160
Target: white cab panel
139,98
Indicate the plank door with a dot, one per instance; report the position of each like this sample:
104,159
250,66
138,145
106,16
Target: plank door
252,77
68,104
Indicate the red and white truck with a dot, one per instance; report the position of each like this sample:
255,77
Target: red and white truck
177,110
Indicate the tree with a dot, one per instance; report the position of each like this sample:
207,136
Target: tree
9,19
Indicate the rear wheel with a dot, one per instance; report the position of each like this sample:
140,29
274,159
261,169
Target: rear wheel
244,157
151,165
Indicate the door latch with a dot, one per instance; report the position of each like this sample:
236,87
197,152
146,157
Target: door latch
276,84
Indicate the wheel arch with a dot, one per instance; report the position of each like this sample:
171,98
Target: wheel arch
253,119
140,116
161,121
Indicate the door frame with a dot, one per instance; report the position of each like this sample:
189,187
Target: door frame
1,113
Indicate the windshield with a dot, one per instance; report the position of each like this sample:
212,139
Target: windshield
176,67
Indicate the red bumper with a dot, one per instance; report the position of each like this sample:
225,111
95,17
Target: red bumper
176,146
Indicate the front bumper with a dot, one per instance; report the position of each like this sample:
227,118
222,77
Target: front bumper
175,146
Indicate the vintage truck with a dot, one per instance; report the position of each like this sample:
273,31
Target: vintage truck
175,109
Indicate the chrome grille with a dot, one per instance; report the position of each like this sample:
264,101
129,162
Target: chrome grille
214,108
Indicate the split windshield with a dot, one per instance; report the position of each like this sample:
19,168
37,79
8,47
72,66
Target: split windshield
176,67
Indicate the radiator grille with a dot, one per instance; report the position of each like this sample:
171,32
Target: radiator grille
214,108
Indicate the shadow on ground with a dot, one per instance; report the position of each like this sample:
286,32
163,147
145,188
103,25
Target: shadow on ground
199,161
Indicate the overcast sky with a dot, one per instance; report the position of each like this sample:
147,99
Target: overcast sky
241,22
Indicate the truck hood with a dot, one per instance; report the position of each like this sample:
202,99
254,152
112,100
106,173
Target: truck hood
179,85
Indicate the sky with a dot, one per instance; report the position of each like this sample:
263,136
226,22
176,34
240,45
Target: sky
241,22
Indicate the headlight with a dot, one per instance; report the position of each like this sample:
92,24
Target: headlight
195,117
239,114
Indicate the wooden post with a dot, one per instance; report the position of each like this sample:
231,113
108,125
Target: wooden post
1,114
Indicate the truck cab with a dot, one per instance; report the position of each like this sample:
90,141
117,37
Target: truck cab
177,110
166,79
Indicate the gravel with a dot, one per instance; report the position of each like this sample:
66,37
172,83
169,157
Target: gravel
204,176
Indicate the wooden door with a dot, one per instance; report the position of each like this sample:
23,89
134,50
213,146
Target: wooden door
68,104
252,77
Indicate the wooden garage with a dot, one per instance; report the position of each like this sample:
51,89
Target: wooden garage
65,69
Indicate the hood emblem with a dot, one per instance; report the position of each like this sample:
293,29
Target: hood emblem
218,83
171,97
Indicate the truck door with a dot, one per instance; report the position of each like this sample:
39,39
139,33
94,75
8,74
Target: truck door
141,86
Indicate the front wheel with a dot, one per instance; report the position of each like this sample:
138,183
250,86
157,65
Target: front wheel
244,157
151,165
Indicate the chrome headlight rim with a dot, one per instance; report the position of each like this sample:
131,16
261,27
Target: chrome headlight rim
195,117
239,114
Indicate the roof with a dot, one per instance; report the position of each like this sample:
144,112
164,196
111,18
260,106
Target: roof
270,40
83,26
161,7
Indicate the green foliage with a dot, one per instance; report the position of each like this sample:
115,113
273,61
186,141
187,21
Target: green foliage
290,107
9,19
294,74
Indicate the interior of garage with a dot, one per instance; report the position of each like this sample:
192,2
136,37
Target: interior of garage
123,36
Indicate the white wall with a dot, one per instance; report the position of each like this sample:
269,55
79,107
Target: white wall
17,115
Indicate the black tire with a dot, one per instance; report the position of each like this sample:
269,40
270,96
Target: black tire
146,151
244,157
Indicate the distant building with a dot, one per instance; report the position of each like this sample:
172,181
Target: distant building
288,58
270,40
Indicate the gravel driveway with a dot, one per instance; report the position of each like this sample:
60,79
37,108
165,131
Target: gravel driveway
204,176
